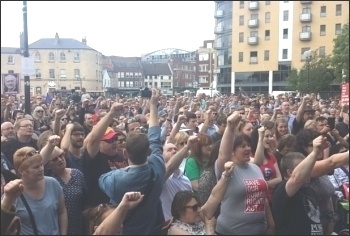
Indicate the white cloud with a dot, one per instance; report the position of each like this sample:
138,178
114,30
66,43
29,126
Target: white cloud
113,28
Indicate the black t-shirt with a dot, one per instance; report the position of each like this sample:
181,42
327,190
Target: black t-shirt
74,162
215,137
297,215
342,128
93,168
297,126
12,145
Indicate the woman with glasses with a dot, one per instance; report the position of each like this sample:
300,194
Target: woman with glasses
41,123
43,194
72,182
198,160
190,217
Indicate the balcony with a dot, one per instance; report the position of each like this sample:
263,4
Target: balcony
218,29
219,13
306,17
218,45
253,23
305,36
253,40
253,60
305,2
253,5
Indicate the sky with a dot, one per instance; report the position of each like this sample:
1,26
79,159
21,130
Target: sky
113,28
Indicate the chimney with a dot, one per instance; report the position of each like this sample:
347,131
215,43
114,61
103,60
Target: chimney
84,40
56,38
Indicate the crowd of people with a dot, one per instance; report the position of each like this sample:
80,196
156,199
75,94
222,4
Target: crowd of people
178,165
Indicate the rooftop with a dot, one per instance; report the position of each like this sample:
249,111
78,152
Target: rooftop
156,69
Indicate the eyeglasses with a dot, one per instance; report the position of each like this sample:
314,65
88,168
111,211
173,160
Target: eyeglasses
194,207
120,141
9,128
79,134
32,153
183,143
27,126
110,141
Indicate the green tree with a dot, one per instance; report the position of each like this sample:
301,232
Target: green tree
319,71
340,60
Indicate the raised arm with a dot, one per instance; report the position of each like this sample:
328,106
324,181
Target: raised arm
302,172
259,153
207,117
180,120
65,143
325,166
52,142
96,134
301,109
226,145
57,121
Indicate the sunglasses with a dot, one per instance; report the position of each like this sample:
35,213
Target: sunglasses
120,141
132,120
110,141
194,207
32,153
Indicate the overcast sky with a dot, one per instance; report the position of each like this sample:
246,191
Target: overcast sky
113,28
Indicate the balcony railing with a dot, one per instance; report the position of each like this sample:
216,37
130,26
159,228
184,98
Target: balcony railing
253,60
306,17
253,5
219,13
253,40
219,29
253,23
305,2
305,36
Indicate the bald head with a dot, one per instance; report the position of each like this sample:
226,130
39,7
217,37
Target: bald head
169,150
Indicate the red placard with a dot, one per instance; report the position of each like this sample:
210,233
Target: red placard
345,94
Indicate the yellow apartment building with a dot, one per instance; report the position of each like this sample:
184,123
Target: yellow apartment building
60,64
269,38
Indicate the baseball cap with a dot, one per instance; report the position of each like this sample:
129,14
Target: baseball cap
109,134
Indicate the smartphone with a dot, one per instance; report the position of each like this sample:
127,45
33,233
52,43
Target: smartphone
331,122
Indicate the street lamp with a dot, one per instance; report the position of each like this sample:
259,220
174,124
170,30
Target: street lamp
26,54
307,55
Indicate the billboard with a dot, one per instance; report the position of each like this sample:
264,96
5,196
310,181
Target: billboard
344,94
10,84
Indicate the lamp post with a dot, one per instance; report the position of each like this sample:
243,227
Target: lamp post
26,54
308,55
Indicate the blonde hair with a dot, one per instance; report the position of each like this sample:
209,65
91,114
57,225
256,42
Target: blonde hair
23,157
309,123
43,138
180,137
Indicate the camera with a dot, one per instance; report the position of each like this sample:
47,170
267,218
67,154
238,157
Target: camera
146,93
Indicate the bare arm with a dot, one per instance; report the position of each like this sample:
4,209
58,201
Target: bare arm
302,172
273,182
65,143
259,156
46,152
57,122
180,120
301,109
325,166
174,163
62,216
205,127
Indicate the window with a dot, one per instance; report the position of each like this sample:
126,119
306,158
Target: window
322,51
76,56
267,35
323,12
51,56
136,83
266,55
241,4
52,73
285,33
10,72
241,37
306,10
240,56
322,30
302,52
121,75
131,84
306,28
37,56
267,17
63,74
62,56
38,90
253,33
254,16
285,54
337,29
267,2
241,20
10,60
76,73
254,57
285,15
37,74
338,10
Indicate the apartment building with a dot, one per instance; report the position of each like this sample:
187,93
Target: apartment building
159,75
205,61
272,36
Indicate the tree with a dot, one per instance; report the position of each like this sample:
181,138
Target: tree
321,75
340,60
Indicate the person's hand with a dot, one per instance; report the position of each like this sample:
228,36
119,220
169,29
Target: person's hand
3,139
233,120
261,132
54,140
43,127
335,133
192,141
182,119
13,189
307,99
325,130
318,142
131,199
117,108
207,115
155,97
229,166
59,114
